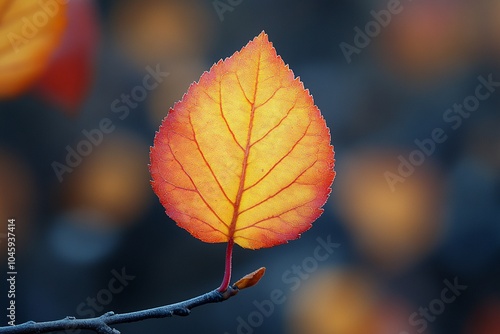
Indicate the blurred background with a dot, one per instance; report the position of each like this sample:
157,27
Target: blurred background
82,222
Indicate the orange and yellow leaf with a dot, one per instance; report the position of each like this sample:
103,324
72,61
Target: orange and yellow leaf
245,155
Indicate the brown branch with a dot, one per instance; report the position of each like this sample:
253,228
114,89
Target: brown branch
102,324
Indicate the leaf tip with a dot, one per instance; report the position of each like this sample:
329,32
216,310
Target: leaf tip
263,34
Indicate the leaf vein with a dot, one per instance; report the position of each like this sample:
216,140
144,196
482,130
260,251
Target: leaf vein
194,185
200,220
241,186
225,119
282,158
205,160
269,99
277,125
241,87
282,189
254,224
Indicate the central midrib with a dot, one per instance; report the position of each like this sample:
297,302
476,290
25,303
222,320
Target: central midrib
239,195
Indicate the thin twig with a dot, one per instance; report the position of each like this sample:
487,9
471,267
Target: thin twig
101,324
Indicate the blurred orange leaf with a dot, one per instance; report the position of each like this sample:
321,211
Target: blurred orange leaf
245,155
32,29
66,80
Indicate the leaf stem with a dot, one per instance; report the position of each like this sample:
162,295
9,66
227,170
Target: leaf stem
227,271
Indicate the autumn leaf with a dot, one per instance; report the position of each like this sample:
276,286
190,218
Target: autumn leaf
245,156
30,31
